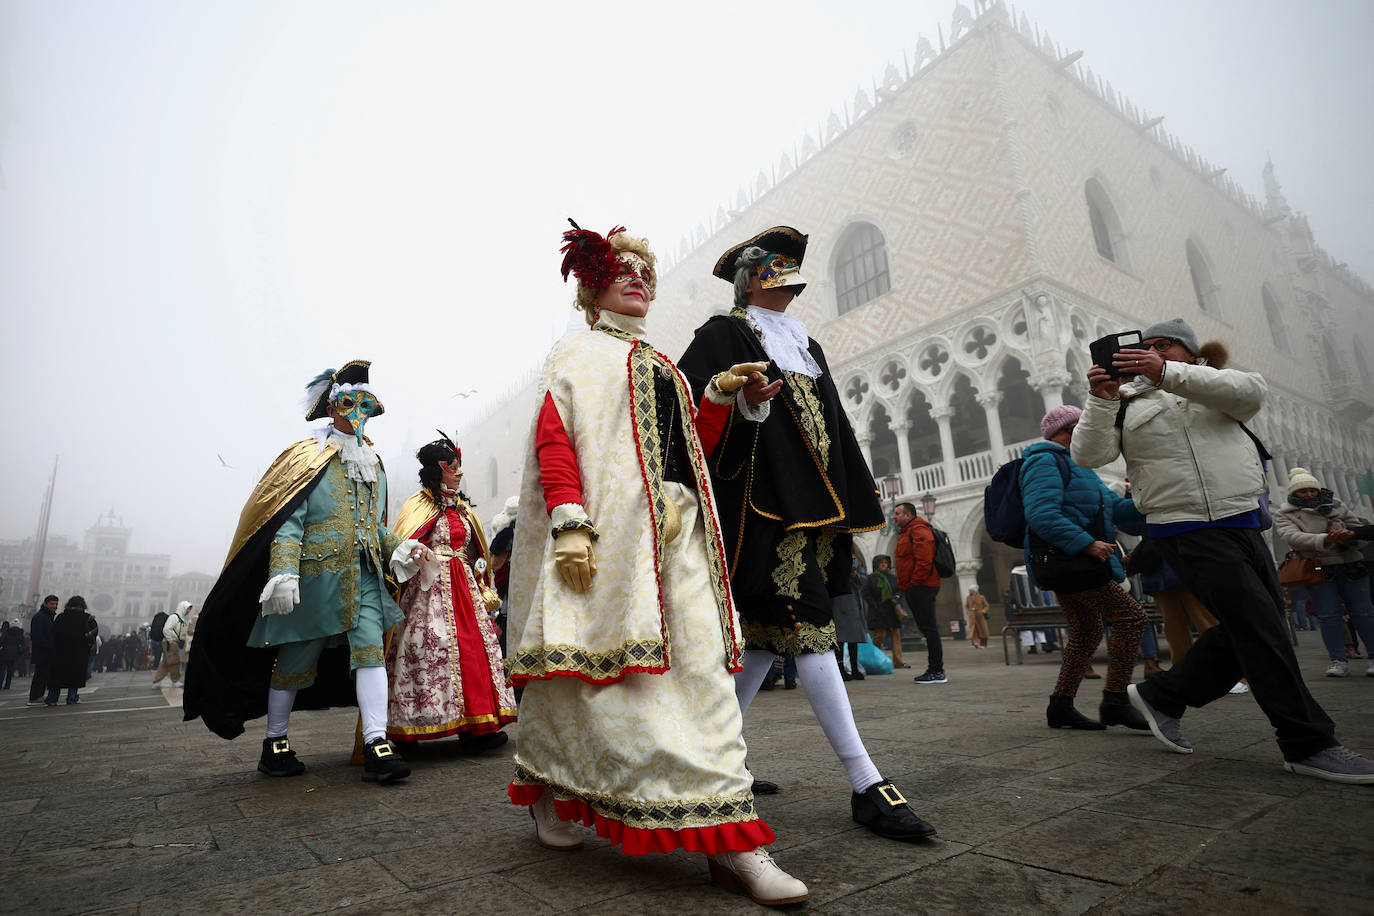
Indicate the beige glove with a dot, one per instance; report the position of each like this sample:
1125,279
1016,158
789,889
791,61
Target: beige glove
572,554
737,376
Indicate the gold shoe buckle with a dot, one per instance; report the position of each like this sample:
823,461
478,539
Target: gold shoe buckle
382,750
891,795
281,746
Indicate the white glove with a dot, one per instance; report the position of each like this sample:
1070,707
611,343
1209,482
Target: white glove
286,594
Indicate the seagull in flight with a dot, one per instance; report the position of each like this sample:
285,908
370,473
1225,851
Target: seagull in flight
222,462
464,394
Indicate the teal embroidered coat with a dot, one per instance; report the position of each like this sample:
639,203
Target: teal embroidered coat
322,541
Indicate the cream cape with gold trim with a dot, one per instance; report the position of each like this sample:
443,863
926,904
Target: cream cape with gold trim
603,388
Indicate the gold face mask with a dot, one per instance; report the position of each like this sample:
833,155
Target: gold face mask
356,407
633,267
779,270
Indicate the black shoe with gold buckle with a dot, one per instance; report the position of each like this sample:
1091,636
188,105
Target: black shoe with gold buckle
278,759
885,811
382,764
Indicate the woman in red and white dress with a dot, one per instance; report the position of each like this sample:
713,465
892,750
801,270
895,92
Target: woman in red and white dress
444,662
622,628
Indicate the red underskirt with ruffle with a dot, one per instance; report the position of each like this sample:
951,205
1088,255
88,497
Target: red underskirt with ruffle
738,836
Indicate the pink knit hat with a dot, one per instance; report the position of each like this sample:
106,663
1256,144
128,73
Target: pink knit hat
1058,418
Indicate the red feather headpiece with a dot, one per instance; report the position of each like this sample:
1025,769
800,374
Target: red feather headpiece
590,257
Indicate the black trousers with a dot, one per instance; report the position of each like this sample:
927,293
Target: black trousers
38,687
921,600
1232,573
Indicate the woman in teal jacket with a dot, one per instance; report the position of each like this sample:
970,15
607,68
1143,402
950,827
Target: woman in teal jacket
1063,510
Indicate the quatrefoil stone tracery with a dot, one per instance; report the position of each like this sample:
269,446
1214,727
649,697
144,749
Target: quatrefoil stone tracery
892,375
979,342
856,389
933,359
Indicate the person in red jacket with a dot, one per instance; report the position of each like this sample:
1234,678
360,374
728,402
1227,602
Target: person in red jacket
918,580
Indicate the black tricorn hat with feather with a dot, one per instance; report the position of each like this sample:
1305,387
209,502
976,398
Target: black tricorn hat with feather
317,392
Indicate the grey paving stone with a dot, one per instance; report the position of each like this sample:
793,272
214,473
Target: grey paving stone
974,883
1200,806
1319,867
1098,846
984,816
489,893
1189,890
308,890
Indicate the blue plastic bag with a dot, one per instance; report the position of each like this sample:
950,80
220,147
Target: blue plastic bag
872,659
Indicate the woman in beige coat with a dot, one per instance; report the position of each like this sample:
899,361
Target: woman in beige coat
976,612
1318,525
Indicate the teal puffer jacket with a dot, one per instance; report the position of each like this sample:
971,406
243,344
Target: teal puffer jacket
1062,515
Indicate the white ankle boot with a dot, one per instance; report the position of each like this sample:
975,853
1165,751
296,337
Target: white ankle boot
551,832
758,875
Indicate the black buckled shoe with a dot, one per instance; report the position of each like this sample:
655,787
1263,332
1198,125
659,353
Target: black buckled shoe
884,810
381,763
278,759
478,744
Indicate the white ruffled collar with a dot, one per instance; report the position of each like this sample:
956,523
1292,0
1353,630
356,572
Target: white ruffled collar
360,461
785,340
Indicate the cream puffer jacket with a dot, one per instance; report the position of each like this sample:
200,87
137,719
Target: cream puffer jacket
1186,455
1304,530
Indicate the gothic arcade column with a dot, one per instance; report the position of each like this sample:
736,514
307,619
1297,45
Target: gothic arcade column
904,456
941,416
866,446
989,404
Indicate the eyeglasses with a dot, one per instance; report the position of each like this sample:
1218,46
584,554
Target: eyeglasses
1162,344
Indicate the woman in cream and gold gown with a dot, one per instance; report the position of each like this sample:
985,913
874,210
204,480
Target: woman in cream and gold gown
622,629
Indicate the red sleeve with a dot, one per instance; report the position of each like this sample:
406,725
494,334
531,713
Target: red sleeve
711,420
557,460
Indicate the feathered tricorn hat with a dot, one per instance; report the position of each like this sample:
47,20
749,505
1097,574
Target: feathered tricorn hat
320,391
787,247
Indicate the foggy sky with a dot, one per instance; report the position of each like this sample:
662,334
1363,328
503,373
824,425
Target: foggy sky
204,204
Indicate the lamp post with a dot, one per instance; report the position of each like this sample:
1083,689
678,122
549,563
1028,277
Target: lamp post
928,505
891,488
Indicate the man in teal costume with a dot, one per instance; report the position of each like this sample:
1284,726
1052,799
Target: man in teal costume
305,572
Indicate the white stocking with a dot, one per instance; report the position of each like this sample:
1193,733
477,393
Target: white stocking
824,687
279,703
371,686
758,663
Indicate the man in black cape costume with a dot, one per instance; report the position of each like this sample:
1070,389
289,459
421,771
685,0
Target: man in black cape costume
793,488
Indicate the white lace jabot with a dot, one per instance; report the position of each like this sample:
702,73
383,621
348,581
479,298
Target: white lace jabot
785,341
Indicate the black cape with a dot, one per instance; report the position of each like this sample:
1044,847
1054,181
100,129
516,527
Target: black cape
226,679
766,476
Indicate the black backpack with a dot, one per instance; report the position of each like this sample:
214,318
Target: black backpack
1004,515
944,554
155,628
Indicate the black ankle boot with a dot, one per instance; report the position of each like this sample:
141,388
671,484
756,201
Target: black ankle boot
381,763
278,759
1061,714
1116,709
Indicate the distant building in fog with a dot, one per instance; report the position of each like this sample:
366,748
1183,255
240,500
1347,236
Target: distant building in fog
123,590
974,223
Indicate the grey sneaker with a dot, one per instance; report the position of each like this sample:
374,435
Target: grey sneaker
1165,728
1338,764
1339,668
931,677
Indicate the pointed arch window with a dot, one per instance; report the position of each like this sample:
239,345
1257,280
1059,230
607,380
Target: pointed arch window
1109,237
1200,270
1273,315
860,267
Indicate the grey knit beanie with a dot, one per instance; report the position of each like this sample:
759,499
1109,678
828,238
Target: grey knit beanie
1176,328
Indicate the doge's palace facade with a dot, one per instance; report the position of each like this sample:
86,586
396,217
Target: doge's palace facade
974,223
